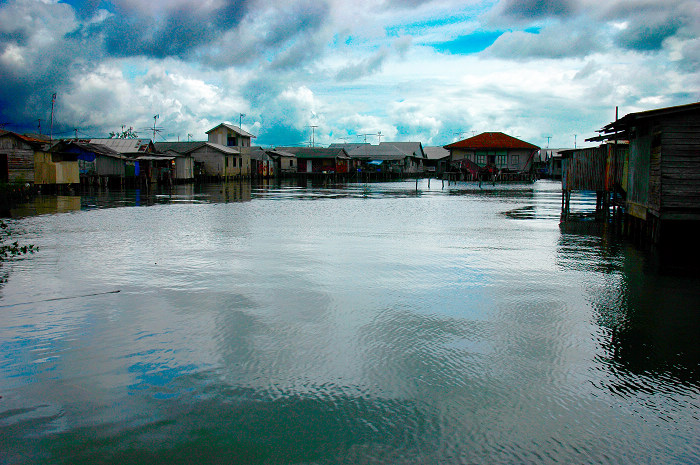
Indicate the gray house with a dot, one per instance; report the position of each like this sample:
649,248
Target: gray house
183,169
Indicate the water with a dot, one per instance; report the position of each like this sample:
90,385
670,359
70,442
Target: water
373,323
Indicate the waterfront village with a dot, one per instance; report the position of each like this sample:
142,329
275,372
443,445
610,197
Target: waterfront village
645,166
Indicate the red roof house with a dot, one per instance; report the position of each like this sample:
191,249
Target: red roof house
494,149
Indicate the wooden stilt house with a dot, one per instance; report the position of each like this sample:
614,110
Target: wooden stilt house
663,172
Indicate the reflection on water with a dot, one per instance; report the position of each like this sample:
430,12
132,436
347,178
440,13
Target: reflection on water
366,323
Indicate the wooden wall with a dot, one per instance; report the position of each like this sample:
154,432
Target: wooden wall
48,171
677,147
585,170
20,159
638,174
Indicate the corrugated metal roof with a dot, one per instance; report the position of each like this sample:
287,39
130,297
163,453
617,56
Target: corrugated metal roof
315,152
217,147
346,146
436,153
412,149
620,127
180,147
491,140
89,147
280,153
235,129
124,145
378,152
258,153
30,140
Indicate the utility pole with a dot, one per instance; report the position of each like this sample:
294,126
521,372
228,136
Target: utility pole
39,127
574,140
53,100
548,137
76,133
240,120
313,135
155,118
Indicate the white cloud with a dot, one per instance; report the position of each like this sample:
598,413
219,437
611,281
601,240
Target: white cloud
350,68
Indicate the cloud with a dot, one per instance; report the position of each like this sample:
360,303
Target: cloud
36,59
553,42
172,33
370,65
644,25
360,67
648,35
518,12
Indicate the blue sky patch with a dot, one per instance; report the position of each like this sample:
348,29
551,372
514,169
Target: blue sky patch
468,44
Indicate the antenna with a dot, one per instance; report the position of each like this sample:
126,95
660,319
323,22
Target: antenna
574,140
39,127
189,136
548,137
240,120
368,134
379,137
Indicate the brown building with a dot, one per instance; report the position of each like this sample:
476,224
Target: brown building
495,150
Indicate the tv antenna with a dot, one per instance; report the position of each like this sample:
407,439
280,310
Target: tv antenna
155,129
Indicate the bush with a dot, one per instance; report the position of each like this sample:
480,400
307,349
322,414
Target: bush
8,249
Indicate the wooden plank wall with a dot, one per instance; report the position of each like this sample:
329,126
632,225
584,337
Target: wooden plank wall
638,171
679,167
20,159
615,165
585,170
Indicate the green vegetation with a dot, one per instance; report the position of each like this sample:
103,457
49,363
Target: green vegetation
11,249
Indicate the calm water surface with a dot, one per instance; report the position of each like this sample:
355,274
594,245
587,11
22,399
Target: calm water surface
373,323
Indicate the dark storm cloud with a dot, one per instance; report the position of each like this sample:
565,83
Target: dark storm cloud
17,37
648,23
648,37
33,69
286,36
86,9
527,11
175,33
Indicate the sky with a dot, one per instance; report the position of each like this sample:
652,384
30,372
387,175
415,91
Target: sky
327,71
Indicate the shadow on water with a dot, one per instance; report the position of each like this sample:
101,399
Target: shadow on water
649,319
225,424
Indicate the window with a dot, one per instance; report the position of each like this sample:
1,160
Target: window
291,163
501,160
515,160
226,161
234,162
481,159
231,141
